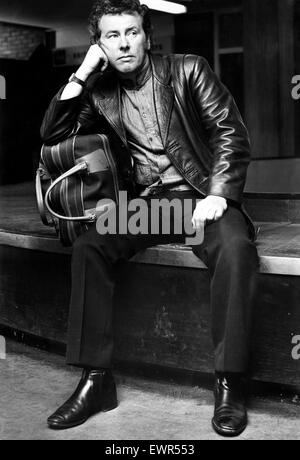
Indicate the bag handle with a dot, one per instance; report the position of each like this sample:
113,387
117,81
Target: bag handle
86,218
40,199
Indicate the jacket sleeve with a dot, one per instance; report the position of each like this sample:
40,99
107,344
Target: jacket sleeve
227,135
64,118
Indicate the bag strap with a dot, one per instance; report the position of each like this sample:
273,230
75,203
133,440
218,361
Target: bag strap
83,166
40,198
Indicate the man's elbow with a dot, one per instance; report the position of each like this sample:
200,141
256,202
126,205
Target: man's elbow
46,133
51,135
48,137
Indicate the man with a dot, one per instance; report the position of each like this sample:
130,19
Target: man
179,125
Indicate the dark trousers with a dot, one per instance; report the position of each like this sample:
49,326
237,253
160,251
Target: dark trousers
232,262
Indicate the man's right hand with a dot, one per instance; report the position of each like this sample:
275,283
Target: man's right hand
92,59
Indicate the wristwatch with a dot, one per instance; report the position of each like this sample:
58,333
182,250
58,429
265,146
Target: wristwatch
76,80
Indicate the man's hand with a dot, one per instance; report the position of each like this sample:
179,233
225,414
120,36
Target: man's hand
211,208
92,59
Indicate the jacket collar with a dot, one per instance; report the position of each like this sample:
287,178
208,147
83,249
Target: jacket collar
109,97
161,69
140,77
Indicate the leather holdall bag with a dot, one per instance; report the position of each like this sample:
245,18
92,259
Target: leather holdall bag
72,177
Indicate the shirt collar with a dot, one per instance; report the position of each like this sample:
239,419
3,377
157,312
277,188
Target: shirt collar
139,78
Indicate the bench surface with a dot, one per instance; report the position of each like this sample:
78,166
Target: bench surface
20,226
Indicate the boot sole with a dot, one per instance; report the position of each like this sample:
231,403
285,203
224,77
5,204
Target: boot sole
61,426
228,432
65,426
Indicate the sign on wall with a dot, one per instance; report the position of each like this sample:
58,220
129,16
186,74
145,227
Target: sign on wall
163,45
70,56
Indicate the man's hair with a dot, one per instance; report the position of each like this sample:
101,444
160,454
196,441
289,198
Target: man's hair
102,7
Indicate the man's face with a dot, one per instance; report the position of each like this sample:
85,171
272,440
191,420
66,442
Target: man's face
123,40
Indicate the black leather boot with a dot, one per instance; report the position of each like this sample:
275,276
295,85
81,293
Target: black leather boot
95,392
230,415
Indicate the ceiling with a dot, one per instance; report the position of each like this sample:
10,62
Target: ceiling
47,11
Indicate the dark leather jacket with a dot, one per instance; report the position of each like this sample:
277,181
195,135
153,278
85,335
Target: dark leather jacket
202,130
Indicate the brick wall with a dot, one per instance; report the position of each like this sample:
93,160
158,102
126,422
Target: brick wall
19,41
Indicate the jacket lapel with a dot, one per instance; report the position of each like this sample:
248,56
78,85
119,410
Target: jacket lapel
163,94
109,104
109,98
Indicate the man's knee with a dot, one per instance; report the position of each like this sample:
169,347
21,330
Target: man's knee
233,247
83,240
238,249
89,242
231,235
107,246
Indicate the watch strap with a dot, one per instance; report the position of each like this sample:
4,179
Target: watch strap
76,80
